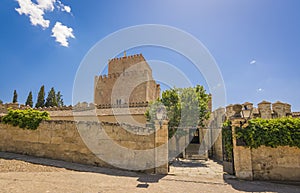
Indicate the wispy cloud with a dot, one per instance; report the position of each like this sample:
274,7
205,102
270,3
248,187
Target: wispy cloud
259,90
36,11
62,33
253,62
63,7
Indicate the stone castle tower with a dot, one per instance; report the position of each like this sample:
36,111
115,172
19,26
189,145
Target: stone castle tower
129,80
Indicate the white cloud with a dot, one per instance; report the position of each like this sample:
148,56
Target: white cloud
46,4
67,9
62,33
63,7
35,13
253,62
260,90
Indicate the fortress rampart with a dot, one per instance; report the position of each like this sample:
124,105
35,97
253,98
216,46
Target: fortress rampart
264,109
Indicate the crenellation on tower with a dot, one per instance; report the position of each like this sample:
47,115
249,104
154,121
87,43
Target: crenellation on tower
127,73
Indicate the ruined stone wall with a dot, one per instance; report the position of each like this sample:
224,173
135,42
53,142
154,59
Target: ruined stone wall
61,140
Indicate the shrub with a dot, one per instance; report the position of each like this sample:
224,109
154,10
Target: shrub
29,118
227,141
271,132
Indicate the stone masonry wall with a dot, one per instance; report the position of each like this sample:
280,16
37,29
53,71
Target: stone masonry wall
53,139
265,110
61,140
281,163
265,163
217,118
129,80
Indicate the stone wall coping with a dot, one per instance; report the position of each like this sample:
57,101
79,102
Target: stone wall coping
279,102
264,102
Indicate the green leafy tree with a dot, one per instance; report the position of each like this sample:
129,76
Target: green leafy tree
60,101
186,108
51,100
1,102
15,97
29,100
41,98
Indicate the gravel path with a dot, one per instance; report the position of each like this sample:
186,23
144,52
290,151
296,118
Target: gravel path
19,173
22,166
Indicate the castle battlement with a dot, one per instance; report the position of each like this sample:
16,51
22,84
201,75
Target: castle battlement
264,109
129,74
135,56
119,65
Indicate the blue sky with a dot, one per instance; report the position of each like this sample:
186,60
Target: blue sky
256,43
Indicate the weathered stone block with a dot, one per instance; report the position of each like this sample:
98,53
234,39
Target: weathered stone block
57,140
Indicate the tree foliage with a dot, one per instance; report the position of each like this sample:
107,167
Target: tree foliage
51,100
186,107
15,97
29,118
227,141
60,101
271,132
41,98
29,100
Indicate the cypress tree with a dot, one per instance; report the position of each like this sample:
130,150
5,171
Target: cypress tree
51,100
60,101
15,97
29,101
41,98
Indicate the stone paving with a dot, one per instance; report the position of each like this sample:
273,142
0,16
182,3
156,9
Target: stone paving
20,173
197,168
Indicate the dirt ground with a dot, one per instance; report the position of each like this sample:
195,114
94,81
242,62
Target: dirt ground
20,173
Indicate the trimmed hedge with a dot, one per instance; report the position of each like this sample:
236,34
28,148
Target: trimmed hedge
270,132
29,118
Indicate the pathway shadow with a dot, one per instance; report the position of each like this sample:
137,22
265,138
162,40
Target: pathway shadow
146,179
260,186
188,163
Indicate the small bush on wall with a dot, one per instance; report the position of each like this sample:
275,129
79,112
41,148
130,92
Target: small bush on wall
29,118
271,132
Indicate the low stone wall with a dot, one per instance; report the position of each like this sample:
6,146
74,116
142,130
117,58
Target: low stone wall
281,163
62,140
104,115
265,163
